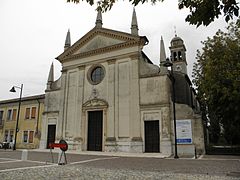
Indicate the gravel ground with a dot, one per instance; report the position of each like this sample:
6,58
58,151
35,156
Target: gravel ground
69,172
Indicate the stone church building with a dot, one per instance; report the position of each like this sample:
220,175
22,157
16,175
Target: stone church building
111,97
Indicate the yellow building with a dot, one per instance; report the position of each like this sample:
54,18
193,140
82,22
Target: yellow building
29,124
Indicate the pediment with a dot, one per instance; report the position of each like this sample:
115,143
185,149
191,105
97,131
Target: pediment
100,40
95,103
97,42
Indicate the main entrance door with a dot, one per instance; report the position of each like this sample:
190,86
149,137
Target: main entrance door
51,134
151,136
95,131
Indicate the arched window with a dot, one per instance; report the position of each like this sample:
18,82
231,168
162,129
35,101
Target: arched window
179,55
174,56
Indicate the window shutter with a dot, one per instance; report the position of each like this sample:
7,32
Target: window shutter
33,114
27,113
30,137
14,114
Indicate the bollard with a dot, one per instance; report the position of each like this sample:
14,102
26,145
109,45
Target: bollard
24,155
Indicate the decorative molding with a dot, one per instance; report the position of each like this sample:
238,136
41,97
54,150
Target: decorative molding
95,103
82,67
137,139
154,106
111,139
129,39
94,94
64,70
151,75
94,32
135,56
90,71
111,61
100,51
51,90
47,112
78,139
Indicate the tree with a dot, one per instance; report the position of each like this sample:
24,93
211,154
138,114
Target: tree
202,12
217,79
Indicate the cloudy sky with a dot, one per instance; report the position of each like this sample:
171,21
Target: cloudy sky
33,33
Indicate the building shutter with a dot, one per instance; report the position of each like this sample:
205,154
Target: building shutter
27,113
33,114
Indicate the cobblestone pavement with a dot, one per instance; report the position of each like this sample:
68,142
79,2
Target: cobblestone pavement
111,167
81,172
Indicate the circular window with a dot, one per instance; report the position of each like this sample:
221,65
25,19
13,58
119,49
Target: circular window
97,75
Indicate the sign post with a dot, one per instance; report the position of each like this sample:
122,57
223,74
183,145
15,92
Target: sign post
64,147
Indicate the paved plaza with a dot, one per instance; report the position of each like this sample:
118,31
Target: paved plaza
100,165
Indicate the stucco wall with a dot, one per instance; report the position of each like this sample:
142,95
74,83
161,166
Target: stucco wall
186,112
154,90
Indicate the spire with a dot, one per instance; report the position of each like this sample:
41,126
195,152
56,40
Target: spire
99,19
68,40
162,56
50,78
134,25
175,31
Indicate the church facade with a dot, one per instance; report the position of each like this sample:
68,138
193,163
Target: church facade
111,97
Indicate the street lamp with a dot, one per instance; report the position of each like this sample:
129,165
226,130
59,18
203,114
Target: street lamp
168,63
19,105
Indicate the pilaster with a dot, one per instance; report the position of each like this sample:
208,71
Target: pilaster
135,98
111,99
61,121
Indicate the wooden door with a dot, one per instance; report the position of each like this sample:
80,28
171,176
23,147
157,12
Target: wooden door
51,134
151,136
95,130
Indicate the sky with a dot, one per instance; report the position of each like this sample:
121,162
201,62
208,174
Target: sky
33,32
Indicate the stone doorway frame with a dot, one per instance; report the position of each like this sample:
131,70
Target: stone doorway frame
94,105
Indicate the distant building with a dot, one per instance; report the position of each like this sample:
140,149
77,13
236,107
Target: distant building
111,97
29,124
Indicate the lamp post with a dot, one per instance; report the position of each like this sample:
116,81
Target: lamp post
19,105
168,63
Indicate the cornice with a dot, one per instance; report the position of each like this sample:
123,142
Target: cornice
102,50
48,112
82,67
135,56
128,38
154,106
51,90
111,61
151,75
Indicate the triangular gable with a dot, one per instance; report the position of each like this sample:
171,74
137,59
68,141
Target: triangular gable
99,40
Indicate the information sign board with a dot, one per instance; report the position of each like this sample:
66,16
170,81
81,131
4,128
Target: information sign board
184,131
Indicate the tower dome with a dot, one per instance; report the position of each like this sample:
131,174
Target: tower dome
177,41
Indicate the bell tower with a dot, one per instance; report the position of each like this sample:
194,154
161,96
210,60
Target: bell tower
178,55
